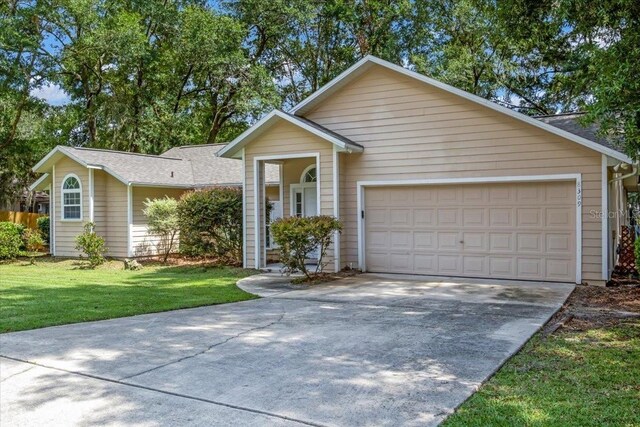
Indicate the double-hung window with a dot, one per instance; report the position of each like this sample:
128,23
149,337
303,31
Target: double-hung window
71,198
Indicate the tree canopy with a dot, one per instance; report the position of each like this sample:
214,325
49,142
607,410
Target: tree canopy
147,75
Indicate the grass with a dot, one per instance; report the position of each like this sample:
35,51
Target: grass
55,292
589,378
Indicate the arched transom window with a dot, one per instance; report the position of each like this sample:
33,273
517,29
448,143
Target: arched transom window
71,198
309,175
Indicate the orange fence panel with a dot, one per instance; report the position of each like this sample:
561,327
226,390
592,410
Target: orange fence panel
25,218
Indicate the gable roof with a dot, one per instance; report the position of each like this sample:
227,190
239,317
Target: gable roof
571,123
233,148
181,167
370,61
208,168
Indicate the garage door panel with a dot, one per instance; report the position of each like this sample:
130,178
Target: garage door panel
424,217
529,217
401,240
501,217
529,242
473,217
474,265
447,240
448,217
558,217
377,216
518,231
400,217
424,240
501,266
449,264
500,242
474,241
424,264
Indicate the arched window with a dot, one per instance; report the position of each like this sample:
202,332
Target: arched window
71,198
309,175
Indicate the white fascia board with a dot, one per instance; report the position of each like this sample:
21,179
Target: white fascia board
38,182
231,149
351,72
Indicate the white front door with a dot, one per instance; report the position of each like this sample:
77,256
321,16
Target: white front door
304,200
304,203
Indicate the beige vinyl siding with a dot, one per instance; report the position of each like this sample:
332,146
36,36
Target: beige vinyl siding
145,244
116,214
100,202
284,139
413,131
67,230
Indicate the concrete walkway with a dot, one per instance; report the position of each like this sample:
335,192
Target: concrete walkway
367,350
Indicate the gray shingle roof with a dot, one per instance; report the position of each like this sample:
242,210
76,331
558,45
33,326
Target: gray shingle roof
570,122
189,166
208,168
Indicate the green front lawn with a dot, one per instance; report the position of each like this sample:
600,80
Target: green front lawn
58,292
586,378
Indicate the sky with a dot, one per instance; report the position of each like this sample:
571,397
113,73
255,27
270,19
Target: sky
51,93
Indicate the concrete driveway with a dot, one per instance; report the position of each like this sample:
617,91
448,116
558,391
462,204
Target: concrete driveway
367,350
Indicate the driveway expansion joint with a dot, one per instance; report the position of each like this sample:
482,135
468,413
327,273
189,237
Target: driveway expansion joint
209,348
166,392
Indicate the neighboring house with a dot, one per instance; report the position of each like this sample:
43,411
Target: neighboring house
429,179
109,188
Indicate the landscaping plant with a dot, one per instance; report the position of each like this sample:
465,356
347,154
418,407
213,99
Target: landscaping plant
43,226
33,242
211,223
162,220
91,245
10,240
299,237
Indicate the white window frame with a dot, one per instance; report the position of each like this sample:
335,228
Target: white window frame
64,191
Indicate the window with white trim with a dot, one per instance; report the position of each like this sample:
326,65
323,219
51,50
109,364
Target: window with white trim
71,198
309,175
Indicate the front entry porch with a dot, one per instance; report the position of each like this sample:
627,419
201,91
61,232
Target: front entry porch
299,194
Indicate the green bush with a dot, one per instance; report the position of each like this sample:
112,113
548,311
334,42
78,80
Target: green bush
91,245
43,226
162,220
211,223
10,240
33,242
299,237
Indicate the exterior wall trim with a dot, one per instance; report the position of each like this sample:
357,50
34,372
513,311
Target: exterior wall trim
91,195
52,213
336,208
129,220
605,219
577,177
257,192
244,212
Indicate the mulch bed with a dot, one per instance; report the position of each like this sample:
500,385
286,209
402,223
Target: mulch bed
591,307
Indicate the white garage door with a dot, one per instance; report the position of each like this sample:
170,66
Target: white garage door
520,231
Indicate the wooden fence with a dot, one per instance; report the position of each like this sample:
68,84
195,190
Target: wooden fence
25,218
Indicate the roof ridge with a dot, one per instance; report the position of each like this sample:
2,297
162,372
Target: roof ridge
198,145
577,113
129,153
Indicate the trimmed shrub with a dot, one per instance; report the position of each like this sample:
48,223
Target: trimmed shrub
299,237
10,240
33,242
162,221
91,245
211,223
43,226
